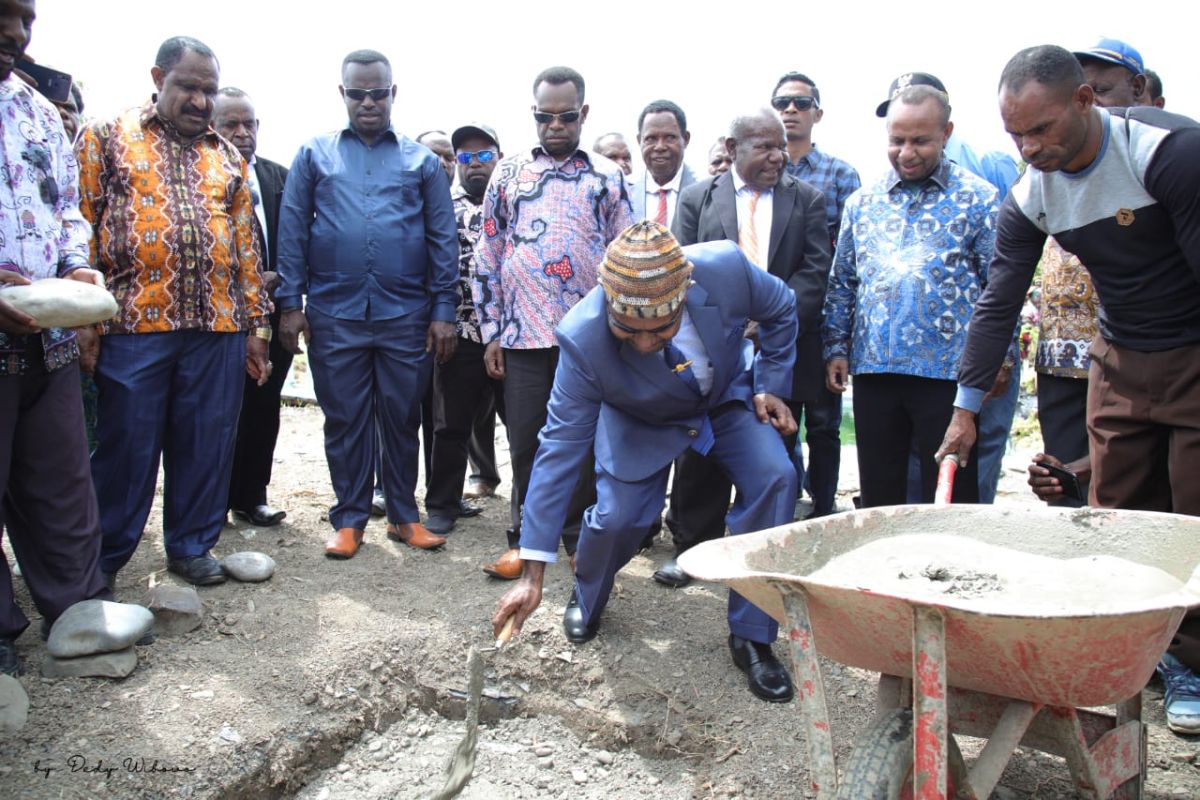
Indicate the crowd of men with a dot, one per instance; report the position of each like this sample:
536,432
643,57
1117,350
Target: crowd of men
624,326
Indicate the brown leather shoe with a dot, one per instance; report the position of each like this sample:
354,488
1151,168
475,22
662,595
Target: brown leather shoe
478,489
507,567
344,543
414,534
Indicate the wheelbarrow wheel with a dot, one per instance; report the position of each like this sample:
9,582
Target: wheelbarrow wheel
881,766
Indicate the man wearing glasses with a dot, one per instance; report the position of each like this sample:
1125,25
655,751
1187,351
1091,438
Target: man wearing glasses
465,399
367,232
548,214
654,364
798,101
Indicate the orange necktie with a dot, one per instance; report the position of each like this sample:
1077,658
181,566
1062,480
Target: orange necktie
747,235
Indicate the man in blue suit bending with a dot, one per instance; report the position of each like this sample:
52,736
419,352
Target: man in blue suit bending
652,362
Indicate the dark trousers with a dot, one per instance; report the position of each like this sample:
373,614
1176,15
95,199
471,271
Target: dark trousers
369,377
1062,414
890,413
614,527
1143,417
822,433
49,507
176,396
529,376
258,430
481,448
461,390
700,494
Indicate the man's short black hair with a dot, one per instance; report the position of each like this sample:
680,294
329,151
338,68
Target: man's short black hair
171,51
1154,87
659,106
231,91
367,57
78,96
434,132
557,76
917,94
1050,65
801,78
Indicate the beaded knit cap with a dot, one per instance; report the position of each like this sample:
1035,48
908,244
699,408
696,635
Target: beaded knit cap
645,273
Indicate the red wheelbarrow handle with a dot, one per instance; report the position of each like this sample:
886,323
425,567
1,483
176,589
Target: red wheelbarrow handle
945,482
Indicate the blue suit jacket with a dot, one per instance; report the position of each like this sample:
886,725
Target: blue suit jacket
639,414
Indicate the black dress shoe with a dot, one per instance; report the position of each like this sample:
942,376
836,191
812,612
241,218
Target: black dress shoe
768,679
439,524
10,664
669,574
468,509
198,570
263,516
576,629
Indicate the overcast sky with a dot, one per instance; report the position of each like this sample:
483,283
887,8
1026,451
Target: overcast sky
464,61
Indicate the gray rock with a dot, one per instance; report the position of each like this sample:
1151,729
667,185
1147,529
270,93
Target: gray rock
14,704
249,567
98,626
103,665
176,609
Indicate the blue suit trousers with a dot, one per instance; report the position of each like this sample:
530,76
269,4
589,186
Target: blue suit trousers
369,377
751,453
176,395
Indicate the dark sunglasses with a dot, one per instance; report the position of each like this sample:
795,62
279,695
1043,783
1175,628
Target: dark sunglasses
545,117
801,102
616,323
378,95
483,156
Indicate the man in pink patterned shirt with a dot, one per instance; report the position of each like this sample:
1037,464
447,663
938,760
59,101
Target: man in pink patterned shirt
548,214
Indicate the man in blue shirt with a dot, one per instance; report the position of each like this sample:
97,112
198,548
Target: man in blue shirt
367,232
798,101
911,261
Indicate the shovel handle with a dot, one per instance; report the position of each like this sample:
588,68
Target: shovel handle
505,632
945,482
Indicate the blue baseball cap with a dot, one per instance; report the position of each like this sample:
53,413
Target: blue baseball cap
1114,51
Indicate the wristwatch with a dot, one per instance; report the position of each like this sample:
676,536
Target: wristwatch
263,332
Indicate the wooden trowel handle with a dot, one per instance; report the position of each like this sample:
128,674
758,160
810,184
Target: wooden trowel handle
505,631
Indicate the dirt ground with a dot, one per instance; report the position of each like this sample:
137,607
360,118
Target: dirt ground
346,679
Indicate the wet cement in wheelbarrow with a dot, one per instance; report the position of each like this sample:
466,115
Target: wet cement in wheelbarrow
937,567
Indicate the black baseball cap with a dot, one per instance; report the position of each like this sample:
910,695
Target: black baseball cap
906,80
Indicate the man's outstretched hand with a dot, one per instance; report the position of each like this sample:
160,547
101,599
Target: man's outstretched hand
521,600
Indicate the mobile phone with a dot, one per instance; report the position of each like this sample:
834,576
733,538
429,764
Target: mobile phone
1068,480
55,86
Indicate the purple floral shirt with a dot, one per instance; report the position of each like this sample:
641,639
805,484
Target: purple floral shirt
545,229
42,233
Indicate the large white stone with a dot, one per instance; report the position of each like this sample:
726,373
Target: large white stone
248,566
62,303
98,626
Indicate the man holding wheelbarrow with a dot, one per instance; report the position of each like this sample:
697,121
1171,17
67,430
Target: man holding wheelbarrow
654,362
1118,189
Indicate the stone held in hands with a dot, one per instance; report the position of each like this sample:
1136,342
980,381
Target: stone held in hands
177,609
249,566
98,626
101,665
62,303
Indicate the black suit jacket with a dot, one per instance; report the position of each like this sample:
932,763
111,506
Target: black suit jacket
271,177
799,254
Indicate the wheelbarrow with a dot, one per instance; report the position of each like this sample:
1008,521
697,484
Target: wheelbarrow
958,665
